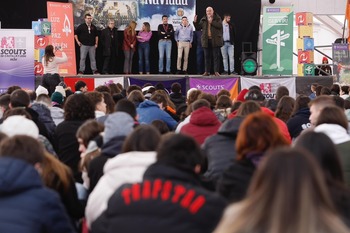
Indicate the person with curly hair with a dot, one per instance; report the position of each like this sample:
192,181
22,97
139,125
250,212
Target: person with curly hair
77,110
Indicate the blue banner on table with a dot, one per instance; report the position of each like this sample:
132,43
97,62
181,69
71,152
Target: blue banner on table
213,86
167,84
277,52
16,58
123,11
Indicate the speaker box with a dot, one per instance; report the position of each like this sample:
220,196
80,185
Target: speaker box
249,63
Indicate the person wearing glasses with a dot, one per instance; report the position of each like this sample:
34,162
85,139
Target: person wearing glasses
87,39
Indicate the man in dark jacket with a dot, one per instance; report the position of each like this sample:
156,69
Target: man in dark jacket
170,199
109,39
211,26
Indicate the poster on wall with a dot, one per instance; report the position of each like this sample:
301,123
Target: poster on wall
341,61
277,52
269,86
124,11
16,58
62,33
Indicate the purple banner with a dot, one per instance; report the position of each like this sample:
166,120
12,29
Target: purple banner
213,86
16,58
166,84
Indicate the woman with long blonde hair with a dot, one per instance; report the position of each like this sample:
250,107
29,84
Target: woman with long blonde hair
129,46
287,194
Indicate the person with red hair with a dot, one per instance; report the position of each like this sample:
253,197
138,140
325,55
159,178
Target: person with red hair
257,134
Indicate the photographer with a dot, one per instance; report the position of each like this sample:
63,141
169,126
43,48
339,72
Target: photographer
51,78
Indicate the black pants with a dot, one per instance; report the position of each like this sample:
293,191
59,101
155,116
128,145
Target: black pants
209,53
109,63
50,81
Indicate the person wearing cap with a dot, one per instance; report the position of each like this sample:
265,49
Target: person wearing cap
324,69
41,90
51,62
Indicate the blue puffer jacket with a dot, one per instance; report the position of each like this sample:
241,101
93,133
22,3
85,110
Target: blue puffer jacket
27,206
149,111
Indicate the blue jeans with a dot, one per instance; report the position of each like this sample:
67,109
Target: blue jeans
84,50
164,46
227,55
144,56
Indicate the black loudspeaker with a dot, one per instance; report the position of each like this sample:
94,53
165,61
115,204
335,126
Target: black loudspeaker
249,63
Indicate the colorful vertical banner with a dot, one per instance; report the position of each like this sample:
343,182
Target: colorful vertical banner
277,53
16,58
269,86
62,33
341,61
124,11
213,86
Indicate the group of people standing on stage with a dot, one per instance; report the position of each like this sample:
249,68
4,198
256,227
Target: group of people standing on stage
215,33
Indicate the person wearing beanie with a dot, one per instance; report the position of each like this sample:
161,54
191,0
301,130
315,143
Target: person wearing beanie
41,90
324,69
61,90
57,113
118,126
19,125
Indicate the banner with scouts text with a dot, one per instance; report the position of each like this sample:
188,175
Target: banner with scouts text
277,47
16,58
213,86
124,11
62,33
269,86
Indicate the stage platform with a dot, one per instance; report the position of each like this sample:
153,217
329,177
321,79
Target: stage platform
302,83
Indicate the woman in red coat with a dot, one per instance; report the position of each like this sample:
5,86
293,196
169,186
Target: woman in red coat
129,46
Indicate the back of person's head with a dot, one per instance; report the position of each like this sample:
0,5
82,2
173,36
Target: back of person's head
325,91
313,86
345,89
136,97
209,97
89,130
132,88
192,95
19,98
126,106
254,87
78,108
80,84
95,97
339,101
143,138
255,95
43,98
161,126
335,89
200,103
117,97
223,102
159,98
271,104
236,105
325,152
281,91
12,89
176,87
302,101
19,111
103,88
285,108
287,194
247,108
318,90
5,101
223,92
333,115
322,101
109,102
22,147
257,134
180,151
114,88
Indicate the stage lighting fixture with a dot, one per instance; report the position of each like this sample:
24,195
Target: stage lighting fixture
249,63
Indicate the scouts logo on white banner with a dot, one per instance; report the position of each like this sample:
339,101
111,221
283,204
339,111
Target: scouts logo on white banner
269,86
